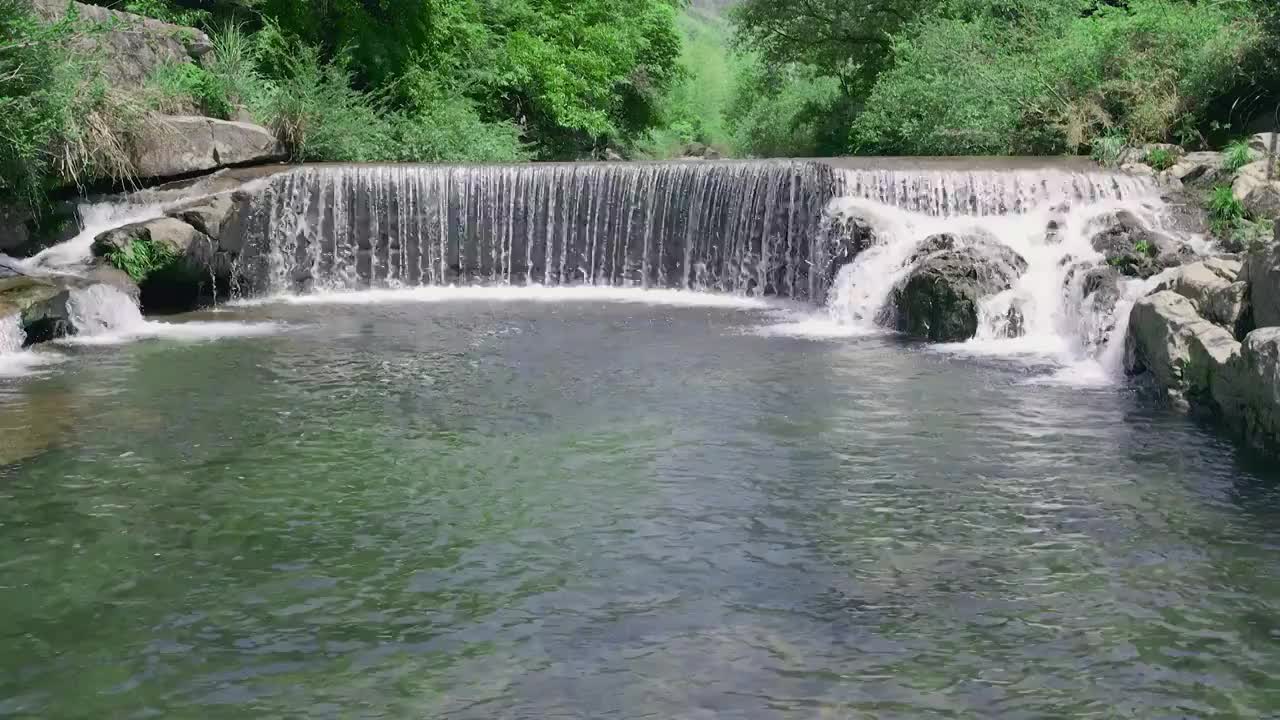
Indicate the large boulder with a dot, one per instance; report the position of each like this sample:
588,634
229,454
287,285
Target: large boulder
170,260
1251,401
1215,291
1258,189
1262,273
182,145
1185,353
940,296
1263,143
1199,169
130,46
1134,249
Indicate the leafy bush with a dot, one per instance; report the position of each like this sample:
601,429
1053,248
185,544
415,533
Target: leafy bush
166,11
1108,150
1225,211
313,108
1236,156
1160,159
441,126
778,112
966,82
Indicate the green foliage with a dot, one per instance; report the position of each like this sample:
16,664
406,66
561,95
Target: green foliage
1142,247
1109,149
1161,159
694,108
1236,156
177,86
60,121
143,258
1054,80
576,75
780,113
166,11
1225,212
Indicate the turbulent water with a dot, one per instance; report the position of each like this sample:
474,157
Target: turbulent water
469,504
1048,217
742,227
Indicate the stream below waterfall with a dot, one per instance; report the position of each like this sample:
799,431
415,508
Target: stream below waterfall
584,442
612,504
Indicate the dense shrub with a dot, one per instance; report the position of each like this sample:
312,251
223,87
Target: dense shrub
1147,70
60,121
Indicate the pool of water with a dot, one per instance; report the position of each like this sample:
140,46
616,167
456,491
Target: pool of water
591,509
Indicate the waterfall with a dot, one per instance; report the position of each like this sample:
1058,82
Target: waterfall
735,227
12,336
101,309
1047,216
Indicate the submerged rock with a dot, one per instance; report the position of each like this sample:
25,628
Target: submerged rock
1134,249
939,299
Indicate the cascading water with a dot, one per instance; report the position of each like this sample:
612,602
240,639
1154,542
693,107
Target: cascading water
1048,217
100,309
739,227
12,336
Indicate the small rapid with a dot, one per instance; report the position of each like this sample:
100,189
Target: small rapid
1048,218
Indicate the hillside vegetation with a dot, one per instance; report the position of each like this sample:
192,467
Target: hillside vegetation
510,80
1012,76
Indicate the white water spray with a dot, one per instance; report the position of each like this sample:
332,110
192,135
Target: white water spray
101,309
12,337
1047,217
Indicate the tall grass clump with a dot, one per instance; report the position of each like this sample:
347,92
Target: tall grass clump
312,106
1225,211
1236,156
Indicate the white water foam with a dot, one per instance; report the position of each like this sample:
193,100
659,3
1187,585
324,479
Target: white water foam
95,219
518,293
14,360
1062,328
104,315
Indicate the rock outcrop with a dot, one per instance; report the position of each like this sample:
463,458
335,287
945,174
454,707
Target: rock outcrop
939,298
1215,292
130,46
1257,189
1185,353
1134,249
1199,169
1195,335
181,260
185,145
1262,273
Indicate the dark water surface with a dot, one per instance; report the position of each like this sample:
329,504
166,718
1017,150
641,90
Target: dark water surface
483,510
